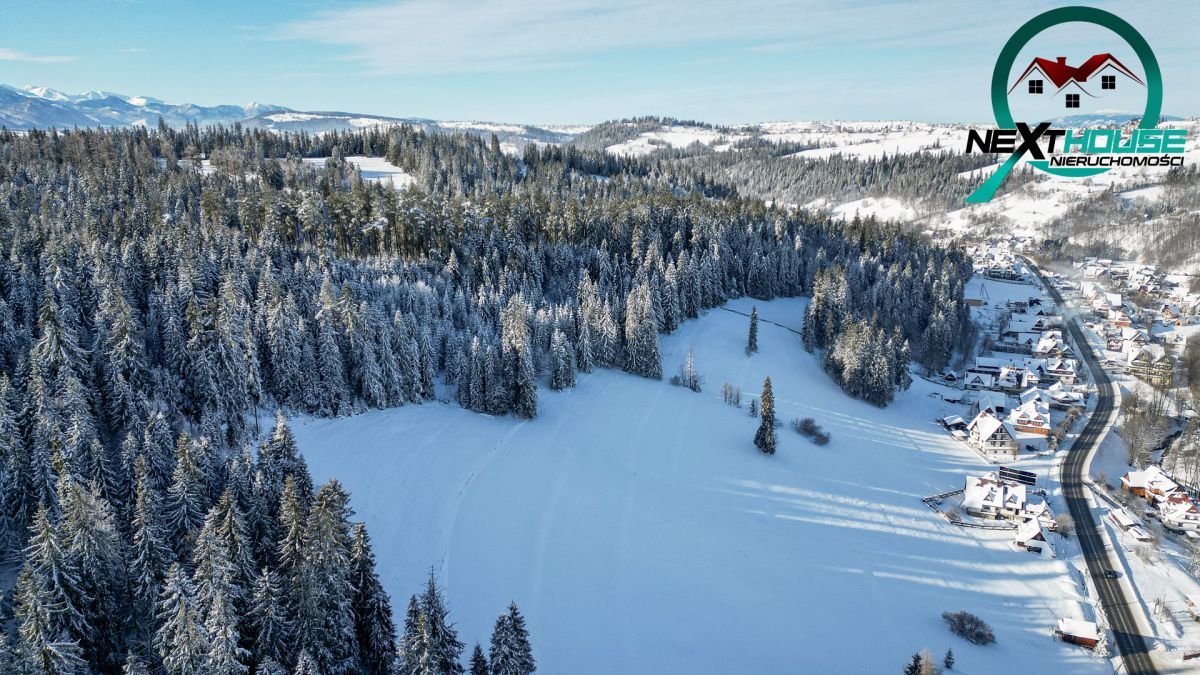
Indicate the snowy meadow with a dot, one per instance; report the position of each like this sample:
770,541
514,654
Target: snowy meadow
640,530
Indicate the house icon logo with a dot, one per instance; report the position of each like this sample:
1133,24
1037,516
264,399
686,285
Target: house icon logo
1074,152
1099,75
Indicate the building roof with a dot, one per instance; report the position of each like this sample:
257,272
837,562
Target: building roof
1151,477
1121,518
1030,530
986,424
1079,628
989,491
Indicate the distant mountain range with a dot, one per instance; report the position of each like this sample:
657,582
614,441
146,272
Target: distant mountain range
1104,119
30,107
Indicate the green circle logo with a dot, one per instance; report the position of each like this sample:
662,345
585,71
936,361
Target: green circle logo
1008,56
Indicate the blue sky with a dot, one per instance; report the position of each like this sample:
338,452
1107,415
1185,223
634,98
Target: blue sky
572,61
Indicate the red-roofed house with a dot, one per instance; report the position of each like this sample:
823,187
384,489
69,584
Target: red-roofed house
1100,73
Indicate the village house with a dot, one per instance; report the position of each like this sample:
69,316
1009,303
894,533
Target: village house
1061,370
1014,378
1179,513
978,381
1079,632
1149,483
991,436
1033,415
1052,345
987,496
1030,537
994,402
1063,397
1151,364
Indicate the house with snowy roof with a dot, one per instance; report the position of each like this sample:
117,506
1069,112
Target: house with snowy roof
1100,74
990,435
1150,483
1179,513
1078,632
978,381
1033,415
1062,370
1151,364
1030,537
987,496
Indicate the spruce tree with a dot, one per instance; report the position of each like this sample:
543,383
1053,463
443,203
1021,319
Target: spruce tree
45,644
562,369
150,554
270,625
307,665
479,662
752,340
181,640
764,438
323,588
134,665
511,653
225,655
445,649
372,610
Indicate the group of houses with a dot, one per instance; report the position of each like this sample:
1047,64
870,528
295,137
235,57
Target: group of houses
1031,370
1129,345
999,262
994,498
1175,509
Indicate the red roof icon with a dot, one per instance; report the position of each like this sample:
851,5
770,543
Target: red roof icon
1061,74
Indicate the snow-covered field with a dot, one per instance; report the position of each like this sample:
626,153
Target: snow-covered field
373,169
641,532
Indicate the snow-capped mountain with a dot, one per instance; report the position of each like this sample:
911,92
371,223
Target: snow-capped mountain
40,107
33,107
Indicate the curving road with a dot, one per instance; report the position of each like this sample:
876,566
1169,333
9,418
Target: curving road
1117,605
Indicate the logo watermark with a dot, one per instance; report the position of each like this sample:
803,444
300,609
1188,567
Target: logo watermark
1074,153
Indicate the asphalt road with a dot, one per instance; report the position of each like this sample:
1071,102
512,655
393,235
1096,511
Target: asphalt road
1117,606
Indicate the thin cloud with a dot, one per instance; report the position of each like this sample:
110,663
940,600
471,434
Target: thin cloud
132,50
7,54
459,36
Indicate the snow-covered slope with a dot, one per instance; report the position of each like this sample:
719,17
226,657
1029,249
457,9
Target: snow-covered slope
641,532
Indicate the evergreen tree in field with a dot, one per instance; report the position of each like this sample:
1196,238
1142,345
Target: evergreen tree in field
270,625
562,368
914,665
181,640
444,647
752,340
372,610
948,659
764,438
414,643
479,662
511,653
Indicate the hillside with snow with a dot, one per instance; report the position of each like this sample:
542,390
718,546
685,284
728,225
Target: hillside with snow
640,530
